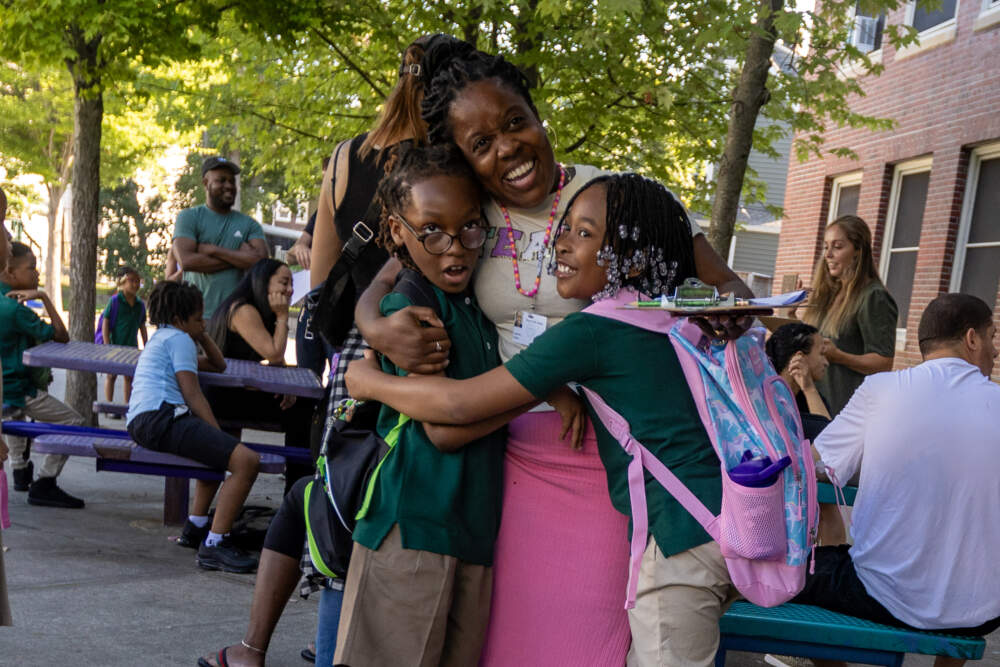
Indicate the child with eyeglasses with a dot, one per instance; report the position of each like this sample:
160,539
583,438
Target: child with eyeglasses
423,552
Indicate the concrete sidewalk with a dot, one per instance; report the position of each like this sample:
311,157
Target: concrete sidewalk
104,586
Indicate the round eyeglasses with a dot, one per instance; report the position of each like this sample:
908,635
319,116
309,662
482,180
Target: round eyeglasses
438,243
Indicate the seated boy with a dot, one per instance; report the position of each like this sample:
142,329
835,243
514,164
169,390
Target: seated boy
21,328
169,413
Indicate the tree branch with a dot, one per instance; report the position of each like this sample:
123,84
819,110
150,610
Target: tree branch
351,63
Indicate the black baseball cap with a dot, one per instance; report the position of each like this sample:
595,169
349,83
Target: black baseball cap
219,162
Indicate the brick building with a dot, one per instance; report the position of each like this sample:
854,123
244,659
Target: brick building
930,188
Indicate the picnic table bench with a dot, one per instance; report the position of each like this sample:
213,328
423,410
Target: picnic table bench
115,451
228,425
813,632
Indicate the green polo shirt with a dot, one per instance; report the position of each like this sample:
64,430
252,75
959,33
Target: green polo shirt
204,225
445,503
636,372
128,320
20,328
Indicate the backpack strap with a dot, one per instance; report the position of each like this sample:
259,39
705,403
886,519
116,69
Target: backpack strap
113,315
642,458
417,289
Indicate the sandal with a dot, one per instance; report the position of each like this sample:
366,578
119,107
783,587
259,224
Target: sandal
220,660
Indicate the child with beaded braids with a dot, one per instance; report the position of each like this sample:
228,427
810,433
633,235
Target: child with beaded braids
168,413
622,236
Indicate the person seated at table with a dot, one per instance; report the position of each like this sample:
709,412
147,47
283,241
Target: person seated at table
123,322
252,324
169,413
796,351
927,516
21,328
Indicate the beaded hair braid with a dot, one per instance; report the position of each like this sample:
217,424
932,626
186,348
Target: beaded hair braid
449,66
647,234
407,168
170,300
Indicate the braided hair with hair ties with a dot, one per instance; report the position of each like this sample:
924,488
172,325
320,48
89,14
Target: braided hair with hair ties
647,238
170,301
408,167
448,67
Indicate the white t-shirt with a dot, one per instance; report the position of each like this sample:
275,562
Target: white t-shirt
926,521
494,280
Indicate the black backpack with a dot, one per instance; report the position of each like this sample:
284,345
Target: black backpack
348,457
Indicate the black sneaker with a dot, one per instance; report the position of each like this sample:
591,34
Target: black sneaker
23,476
226,557
44,492
192,536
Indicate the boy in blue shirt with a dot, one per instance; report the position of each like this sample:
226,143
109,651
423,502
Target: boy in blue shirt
169,413
21,328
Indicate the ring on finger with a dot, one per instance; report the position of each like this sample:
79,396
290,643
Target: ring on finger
437,345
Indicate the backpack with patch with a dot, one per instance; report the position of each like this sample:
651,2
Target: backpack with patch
766,533
349,458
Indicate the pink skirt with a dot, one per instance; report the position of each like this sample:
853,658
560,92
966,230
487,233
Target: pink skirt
561,560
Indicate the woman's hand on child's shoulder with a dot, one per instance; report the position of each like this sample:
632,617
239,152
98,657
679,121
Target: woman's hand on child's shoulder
573,412
416,340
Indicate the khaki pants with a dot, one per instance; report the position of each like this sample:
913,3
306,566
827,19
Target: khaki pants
680,599
406,607
42,408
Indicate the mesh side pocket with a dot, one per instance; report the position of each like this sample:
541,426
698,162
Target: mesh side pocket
752,522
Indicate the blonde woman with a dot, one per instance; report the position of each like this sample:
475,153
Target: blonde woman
852,309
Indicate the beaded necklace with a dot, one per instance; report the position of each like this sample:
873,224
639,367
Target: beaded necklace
545,243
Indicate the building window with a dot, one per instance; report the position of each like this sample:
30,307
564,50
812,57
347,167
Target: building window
844,195
866,34
902,231
925,18
977,260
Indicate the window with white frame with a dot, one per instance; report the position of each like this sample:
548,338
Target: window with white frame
977,260
866,32
845,191
902,231
924,15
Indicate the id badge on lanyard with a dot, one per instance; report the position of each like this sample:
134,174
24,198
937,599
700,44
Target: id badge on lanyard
528,325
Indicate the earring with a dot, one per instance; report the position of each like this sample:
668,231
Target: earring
550,133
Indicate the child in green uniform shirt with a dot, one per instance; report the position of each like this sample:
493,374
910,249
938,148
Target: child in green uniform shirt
620,232
123,322
419,584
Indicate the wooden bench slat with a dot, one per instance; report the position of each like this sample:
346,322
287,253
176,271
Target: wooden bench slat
806,623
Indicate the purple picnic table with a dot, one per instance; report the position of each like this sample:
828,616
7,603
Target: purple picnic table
121,360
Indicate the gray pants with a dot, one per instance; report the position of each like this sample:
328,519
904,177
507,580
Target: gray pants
42,408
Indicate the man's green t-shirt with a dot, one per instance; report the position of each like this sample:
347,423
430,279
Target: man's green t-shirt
872,329
128,320
445,503
203,225
20,328
637,373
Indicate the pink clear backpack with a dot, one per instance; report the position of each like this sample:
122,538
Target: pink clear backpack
766,534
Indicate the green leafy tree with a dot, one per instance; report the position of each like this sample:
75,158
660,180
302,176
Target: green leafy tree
138,233
102,43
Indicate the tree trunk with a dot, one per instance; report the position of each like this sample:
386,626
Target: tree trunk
88,110
53,253
748,97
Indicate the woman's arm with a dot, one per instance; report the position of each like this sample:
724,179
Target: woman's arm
326,243
401,336
246,322
437,399
452,437
866,364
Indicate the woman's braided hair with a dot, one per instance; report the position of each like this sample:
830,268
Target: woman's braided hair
647,237
449,66
170,300
408,167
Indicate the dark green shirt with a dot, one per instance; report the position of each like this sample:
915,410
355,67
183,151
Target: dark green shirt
872,329
446,503
636,372
204,225
128,320
20,328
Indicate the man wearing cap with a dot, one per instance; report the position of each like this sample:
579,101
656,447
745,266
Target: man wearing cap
214,244
926,521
